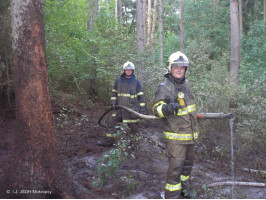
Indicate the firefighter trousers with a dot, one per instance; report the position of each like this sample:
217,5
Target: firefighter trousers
181,158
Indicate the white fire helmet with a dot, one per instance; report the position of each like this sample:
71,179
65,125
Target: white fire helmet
128,65
178,59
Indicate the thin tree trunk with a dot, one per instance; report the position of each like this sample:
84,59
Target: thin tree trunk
140,37
235,54
116,11
91,15
95,10
160,9
120,11
264,11
181,26
153,26
36,164
235,41
149,23
144,20
140,31
240,19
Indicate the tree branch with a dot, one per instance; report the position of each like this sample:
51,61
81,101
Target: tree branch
252,184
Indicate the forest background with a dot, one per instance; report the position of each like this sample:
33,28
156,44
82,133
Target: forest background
87,43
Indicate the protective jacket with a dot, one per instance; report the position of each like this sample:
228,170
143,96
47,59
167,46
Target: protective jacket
129,93
181,128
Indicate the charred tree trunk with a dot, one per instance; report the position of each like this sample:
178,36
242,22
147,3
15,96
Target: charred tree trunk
36,166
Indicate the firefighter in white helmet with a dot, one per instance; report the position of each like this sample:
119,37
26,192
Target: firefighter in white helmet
127,92
175,105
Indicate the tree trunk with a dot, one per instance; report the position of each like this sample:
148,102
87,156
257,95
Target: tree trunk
160,10
235,41
235,53
149,23
140,37
36,166
181,26
144,19
116,11
139,22
264,11
95,10
91,15
240,18
119,9
153,26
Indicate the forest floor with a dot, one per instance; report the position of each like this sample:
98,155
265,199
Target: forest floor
142,173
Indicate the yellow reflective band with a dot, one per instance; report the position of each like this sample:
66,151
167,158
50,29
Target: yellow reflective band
109,135
113,98
184,178
142,104
113,90
183,137
127,95
130,120
186,110
157,104
140,93
173,187
160,112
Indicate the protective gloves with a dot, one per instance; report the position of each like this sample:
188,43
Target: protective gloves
170,108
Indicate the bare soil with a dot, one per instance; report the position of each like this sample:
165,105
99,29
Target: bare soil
140,176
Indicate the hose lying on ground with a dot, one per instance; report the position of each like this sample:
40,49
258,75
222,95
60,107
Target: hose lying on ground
152,117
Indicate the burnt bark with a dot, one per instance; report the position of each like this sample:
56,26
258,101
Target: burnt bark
36,167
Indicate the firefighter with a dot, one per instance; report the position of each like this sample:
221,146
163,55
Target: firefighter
175,105
127,92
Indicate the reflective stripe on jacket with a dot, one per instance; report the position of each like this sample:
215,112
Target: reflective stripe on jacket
181,128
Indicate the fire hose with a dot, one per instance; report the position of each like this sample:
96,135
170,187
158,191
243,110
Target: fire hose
152,117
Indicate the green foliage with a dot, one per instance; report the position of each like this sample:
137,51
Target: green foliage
107,165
